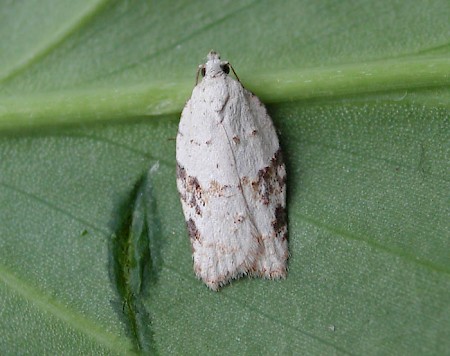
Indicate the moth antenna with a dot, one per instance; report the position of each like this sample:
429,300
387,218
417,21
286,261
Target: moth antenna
198,72
234,72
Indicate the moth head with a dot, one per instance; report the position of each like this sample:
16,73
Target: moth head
214,66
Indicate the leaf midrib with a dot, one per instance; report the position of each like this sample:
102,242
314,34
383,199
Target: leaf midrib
163,98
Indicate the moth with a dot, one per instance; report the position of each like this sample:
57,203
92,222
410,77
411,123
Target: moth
232,180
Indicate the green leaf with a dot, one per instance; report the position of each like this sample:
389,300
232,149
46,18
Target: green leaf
90,97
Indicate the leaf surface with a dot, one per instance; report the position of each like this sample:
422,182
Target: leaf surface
90,96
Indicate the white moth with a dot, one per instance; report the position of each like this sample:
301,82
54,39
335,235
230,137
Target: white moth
232,181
